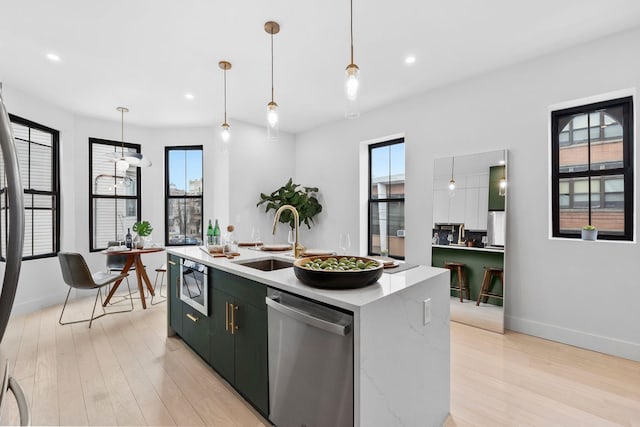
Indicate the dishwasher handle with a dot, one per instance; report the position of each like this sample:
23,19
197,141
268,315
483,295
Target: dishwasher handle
308,318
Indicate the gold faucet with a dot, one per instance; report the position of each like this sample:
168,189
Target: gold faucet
297,248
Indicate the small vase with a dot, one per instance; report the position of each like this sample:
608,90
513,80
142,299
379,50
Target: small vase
589,234
138,242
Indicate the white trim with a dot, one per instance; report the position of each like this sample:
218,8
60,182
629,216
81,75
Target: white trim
621,348
363,186
585,101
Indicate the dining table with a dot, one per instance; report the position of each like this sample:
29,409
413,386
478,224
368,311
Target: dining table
133,259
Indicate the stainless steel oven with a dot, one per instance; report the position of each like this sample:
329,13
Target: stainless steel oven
194,285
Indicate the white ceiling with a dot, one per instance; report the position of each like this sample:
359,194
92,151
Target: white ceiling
146,54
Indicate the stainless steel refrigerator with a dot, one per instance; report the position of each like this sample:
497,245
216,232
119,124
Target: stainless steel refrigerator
15,223
496,228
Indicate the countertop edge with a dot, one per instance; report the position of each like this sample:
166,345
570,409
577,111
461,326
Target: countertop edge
285,280
466,248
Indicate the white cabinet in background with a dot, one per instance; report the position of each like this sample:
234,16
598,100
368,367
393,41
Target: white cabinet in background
469,205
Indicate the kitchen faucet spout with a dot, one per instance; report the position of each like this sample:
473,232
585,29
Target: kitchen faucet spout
297,248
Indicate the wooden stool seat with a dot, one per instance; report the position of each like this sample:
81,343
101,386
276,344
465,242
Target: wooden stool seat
462,287
487,280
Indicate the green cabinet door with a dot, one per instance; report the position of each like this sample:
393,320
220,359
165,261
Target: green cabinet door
252,370
496,201
221,341
173,284
195,330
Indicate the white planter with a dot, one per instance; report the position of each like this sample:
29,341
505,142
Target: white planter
589,234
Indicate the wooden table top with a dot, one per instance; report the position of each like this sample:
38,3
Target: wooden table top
133,251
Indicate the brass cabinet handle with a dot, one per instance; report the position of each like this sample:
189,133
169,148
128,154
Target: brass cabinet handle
192,317
234,327
226,316
172,262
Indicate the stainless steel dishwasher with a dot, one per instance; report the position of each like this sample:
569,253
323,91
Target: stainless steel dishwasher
310,363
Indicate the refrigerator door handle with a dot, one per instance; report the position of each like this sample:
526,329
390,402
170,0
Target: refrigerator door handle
15,203
21,399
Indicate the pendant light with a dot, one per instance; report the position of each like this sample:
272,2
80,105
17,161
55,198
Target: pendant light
224,133
502,184
273,125
124,160
352,81
452,182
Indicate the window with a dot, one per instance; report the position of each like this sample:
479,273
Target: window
592,175
183,194
114,197
386,199
37,149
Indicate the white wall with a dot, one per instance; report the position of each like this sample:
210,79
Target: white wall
585,294
233,180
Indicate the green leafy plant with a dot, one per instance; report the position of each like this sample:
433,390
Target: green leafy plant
589,227
143,228
301,198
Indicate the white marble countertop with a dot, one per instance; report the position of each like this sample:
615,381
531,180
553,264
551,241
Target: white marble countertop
466,248
285,279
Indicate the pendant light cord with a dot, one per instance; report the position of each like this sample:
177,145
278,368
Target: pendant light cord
352,31
225,95
272,66
122,131
453,161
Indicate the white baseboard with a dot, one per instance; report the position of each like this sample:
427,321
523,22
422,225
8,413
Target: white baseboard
615,347
30,306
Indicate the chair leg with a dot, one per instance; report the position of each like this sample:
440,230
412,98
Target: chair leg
63,307
483,287
95,302
155,285
460,284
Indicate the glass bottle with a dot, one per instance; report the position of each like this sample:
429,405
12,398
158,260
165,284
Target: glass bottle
128,240
210,234
216,234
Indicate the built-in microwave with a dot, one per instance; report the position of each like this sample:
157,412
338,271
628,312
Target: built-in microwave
193,285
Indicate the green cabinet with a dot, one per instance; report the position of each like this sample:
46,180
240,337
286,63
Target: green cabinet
238,340
173,285
195,330
496,201
222,349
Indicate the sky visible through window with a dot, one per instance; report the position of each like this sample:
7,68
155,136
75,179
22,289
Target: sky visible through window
388,160
184,165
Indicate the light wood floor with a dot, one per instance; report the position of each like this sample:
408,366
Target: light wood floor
125,371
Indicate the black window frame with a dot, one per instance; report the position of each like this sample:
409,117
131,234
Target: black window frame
371,201
626,169
168,197
92,197
55,188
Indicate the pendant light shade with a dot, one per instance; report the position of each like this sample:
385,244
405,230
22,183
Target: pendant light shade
352,81
224,131
273,120
123,160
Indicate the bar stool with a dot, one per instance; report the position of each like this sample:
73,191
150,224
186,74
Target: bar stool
487,280
462,279
160,272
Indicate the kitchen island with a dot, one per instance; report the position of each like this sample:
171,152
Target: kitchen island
400,361
475,260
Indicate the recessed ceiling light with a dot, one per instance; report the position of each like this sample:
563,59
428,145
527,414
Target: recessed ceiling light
410,60
53,57
189,96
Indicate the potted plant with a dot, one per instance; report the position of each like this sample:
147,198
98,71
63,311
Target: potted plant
143,229
301,198
589,232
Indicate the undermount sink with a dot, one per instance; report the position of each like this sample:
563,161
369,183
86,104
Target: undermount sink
267,264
